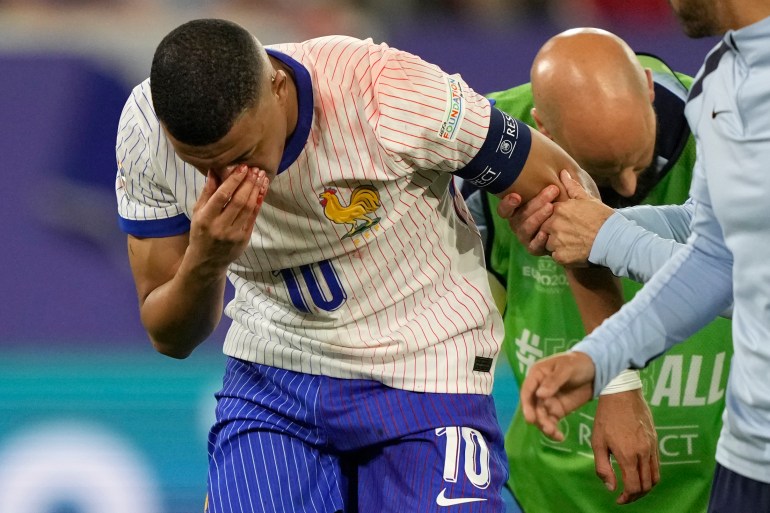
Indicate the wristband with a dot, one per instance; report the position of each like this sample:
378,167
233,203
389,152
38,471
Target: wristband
623,382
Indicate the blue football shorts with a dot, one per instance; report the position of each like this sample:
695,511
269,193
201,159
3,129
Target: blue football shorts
733,493
292,442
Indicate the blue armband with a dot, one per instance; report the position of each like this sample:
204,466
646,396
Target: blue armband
502,156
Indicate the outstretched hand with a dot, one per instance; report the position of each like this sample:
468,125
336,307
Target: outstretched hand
554,387
224,215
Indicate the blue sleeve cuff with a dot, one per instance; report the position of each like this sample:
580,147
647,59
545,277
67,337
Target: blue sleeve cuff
501,158
168,227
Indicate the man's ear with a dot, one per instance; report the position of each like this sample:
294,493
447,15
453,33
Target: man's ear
650,84
279,84
540,126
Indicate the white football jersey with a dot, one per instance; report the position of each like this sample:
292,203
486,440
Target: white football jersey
363,262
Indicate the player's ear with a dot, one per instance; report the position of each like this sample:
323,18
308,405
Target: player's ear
280,85
650,84
540,126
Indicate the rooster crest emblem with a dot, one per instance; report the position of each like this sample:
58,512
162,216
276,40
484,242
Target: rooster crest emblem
364,202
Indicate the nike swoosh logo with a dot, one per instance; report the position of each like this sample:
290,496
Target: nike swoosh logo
443,500
715,113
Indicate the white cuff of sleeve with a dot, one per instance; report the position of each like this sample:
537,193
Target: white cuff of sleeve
625,381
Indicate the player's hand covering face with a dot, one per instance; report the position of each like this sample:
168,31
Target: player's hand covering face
225,213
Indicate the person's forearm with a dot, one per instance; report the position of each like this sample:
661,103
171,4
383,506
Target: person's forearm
597,293
636,252
667,221
690,290
637,241
183,312
629,250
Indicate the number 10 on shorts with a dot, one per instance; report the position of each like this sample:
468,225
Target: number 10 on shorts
476,455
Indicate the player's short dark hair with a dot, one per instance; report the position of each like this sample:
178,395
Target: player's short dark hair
205,73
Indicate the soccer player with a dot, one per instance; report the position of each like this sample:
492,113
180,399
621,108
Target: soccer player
621,117
725,260
318,178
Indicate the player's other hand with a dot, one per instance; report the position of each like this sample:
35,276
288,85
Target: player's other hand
526,219
623,428
554,387
573,224
224,215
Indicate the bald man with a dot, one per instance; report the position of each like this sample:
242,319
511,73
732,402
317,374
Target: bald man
620,116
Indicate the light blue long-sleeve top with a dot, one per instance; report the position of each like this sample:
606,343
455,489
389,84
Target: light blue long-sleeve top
635,242
727,255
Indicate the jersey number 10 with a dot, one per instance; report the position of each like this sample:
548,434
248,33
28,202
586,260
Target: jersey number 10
327,296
